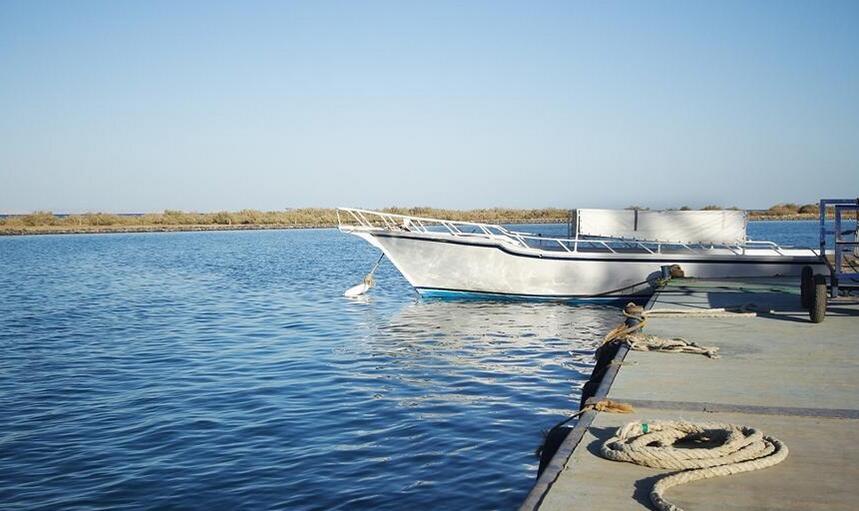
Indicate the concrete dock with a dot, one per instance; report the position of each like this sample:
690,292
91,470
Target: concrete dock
778,372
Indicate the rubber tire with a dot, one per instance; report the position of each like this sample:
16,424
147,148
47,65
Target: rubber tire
806,286
817,311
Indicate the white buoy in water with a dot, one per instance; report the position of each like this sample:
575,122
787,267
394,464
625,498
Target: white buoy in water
363,287
356,291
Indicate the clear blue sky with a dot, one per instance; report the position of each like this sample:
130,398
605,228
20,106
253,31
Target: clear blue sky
141,106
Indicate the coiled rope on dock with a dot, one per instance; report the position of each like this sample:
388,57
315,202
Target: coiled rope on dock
698,450
630,334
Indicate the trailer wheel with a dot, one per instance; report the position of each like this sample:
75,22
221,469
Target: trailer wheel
806,286
817,311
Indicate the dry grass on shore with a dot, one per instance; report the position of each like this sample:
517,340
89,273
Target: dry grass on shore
173,220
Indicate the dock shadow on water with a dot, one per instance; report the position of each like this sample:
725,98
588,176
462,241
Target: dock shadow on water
227,371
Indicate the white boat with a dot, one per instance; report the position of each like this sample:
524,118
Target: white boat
613,255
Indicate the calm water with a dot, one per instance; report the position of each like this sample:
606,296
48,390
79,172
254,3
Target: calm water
226,371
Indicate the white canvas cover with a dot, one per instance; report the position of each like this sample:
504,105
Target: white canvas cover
719,226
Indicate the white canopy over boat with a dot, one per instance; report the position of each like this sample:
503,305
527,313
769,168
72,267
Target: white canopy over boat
691,227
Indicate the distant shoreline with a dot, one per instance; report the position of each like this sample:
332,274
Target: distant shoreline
124,229
132,229
25,230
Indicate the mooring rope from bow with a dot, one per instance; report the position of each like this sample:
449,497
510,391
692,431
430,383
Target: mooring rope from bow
368,282
711,450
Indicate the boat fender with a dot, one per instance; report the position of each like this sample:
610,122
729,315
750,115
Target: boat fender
551,443
604,357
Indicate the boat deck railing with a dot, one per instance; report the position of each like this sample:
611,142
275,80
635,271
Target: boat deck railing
353,219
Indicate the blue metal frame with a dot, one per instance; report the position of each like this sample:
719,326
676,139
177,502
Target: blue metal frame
840,245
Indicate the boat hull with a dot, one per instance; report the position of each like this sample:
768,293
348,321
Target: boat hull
442,266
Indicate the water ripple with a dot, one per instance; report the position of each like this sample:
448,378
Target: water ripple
225,370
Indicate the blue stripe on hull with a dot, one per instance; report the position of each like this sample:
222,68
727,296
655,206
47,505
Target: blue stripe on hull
449,294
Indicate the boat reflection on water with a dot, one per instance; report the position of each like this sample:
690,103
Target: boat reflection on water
452,350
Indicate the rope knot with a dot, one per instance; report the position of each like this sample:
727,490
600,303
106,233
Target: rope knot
607,405
630,333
